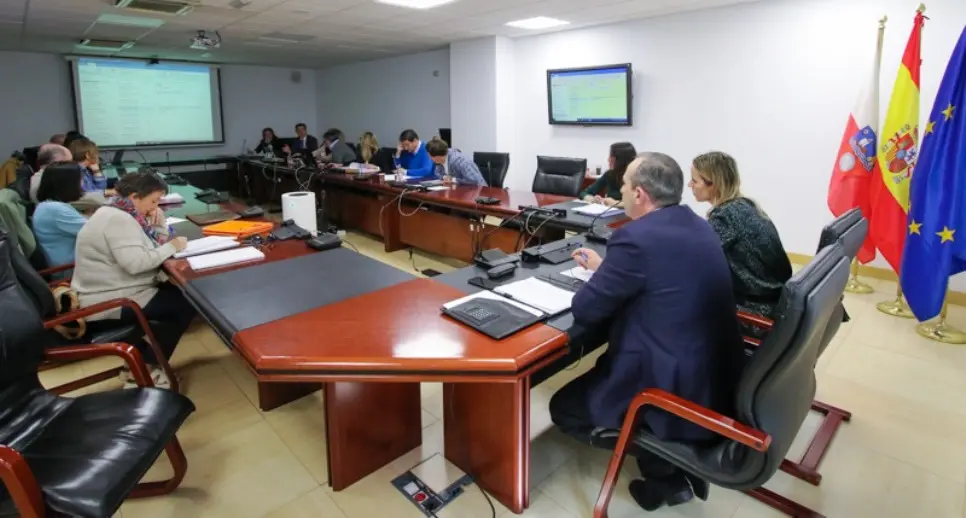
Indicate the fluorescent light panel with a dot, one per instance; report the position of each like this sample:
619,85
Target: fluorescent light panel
540,22
415,4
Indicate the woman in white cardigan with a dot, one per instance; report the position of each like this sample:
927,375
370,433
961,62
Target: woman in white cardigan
119,255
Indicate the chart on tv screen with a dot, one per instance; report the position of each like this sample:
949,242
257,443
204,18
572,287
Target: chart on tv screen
589,95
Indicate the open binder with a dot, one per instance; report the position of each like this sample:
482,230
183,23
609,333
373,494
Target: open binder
509,308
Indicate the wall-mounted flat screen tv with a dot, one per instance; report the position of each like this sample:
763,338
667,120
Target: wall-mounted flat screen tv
590,96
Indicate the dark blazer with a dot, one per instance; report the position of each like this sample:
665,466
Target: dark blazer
311,144
664,288
341,153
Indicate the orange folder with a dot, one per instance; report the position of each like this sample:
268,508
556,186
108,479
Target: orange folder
238,229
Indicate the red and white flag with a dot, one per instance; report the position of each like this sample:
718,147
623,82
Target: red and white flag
856,162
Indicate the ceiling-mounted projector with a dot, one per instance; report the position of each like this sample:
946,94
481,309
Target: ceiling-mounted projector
204,42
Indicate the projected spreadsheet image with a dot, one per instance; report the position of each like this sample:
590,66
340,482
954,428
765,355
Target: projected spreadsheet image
133,103
589,96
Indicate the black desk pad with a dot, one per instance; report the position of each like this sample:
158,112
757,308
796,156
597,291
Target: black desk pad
239,299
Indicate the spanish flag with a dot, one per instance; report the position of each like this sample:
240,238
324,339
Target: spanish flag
898,150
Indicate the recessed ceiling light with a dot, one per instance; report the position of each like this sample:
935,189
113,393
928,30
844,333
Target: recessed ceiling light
415,4
540,22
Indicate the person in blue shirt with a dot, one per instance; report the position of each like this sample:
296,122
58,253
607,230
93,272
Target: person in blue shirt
411,157
86,155
56,223
452,165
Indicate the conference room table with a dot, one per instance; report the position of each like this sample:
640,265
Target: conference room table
448,222
368,334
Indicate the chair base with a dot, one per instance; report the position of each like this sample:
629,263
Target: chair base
807,467
782,504
179,463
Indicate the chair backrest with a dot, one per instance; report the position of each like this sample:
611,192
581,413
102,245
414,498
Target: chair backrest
559,175
849,230
778,384
22,335
34,286
383,159
493,166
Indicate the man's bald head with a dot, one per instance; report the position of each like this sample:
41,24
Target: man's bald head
58,139
50,153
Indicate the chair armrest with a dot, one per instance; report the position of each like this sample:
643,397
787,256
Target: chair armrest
755,320
21,483
93,310
703,417
47,272
129,353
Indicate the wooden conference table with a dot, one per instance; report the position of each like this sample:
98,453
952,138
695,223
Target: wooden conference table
446,222
368,334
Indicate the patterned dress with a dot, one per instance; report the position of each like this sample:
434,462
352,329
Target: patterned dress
759,265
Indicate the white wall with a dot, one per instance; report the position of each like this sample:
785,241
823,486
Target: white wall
472,67
36,102
771,83
387,96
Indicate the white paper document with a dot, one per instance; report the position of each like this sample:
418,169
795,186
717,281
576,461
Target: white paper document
171,198
206,245
238,255
578,272
492,296
538,294
598,209
171,220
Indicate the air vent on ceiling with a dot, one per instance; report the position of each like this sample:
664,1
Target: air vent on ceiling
104,45
159,6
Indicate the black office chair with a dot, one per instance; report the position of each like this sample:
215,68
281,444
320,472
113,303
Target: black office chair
83,456
849,231
38,293
493,166
559,175
774,396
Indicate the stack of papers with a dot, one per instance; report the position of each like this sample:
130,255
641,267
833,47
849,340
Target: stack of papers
238,255
598,209
206,245
538,294
578,272
492,296
171,198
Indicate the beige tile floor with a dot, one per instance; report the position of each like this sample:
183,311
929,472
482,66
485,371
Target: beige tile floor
902,456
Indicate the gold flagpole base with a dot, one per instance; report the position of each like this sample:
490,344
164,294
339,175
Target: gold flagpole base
896,308
856,286
940,331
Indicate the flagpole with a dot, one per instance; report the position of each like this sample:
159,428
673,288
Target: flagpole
855,285
898,307
940,330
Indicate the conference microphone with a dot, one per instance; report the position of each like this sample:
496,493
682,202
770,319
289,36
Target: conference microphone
601,234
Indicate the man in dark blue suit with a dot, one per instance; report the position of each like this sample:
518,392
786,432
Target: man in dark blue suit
664,295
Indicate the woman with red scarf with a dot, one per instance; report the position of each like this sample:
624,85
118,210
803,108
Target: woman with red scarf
119,254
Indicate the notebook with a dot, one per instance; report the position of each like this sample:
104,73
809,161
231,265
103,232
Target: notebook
598,209
171,198
578,272
228,257
239,229
538,294
206,245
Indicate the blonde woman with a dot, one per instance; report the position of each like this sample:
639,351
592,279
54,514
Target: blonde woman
368,146
759,264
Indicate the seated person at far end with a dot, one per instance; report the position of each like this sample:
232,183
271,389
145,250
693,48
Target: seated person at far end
759,265
336,150
607,188
56,223
411,157
453,166
46,155
664,293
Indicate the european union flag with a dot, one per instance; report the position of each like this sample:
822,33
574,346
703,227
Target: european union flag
936,242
